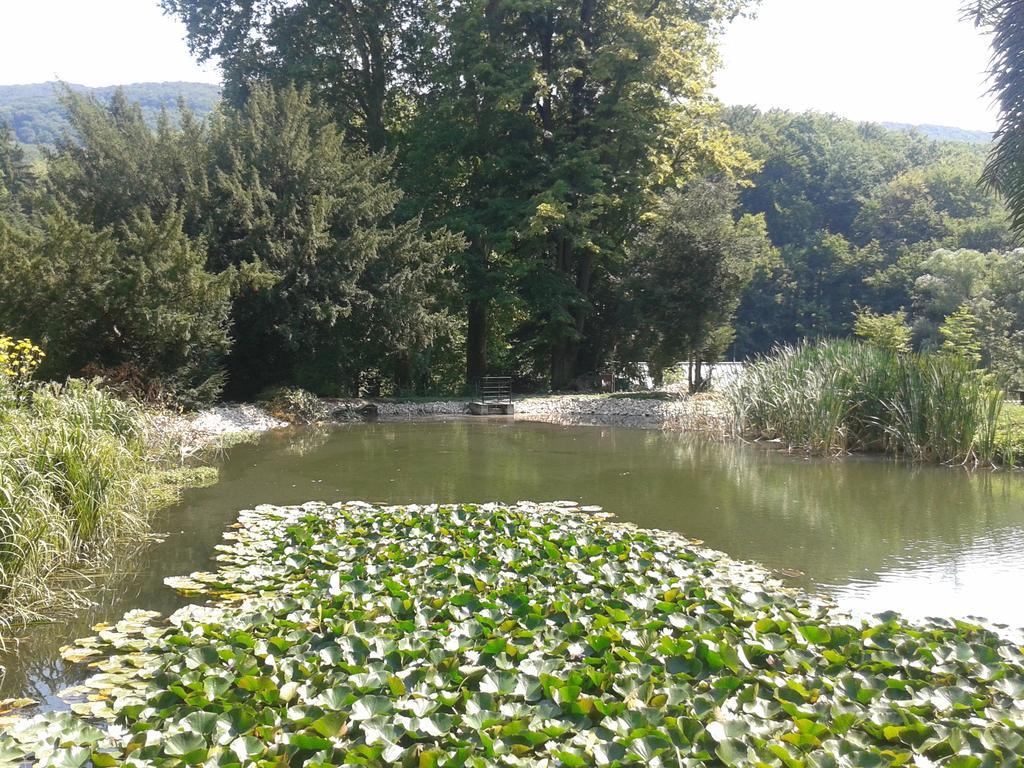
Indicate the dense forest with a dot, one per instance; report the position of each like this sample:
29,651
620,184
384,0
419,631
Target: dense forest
473,189
38,117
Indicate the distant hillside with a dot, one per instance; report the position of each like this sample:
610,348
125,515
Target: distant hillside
37,117
943,132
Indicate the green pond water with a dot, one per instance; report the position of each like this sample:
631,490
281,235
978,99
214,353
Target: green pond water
871,533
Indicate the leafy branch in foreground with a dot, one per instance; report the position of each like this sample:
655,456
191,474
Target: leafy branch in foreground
1005,169
523,636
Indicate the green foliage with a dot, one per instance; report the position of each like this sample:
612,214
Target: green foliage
293,405
885,331
854,210
532,635
838,396
361,59
16,177
138,295
1005,169
1010,434
544,132
692,265
960,335
352,294
989,287
163,247
117,166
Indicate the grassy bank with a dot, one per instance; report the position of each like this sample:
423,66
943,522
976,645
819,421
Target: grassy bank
79,477
524,636
839,396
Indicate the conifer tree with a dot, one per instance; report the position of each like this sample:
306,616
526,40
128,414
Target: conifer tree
344,289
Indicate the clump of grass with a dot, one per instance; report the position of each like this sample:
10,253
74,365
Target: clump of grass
73,474
840,396
1010,434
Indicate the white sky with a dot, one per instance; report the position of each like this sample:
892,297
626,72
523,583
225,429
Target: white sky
908,61
93,42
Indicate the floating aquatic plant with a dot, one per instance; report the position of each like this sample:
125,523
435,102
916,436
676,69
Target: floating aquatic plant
517,636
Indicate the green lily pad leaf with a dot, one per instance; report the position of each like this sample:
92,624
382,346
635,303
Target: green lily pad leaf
247,748
371,706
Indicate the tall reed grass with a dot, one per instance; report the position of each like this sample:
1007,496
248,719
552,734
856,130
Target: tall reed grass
840,396
73,475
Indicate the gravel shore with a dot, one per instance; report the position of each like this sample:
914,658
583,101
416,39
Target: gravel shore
708,413
192,433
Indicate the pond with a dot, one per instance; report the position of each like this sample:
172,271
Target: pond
872,534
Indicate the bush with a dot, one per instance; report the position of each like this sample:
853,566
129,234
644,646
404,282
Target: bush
838,396
293,405
138,297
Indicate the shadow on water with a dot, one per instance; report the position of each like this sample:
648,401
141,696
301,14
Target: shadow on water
874,534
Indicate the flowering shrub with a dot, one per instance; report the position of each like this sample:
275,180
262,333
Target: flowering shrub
18,361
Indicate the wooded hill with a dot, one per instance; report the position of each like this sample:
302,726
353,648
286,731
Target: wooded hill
37,116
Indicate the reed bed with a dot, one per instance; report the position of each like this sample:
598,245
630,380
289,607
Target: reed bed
840,396
74,473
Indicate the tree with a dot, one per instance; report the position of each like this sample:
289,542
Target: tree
621,96
16,177
469,162
114,164
328,290
889,331
358,57
1005,169
854,209
694,262
900,212
946,281
959,333
136,296
344,291
608,102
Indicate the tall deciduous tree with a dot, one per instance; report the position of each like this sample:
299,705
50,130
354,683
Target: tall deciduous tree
620,93
358,56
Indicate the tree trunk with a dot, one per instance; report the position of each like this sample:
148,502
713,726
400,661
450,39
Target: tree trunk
696,373
562,364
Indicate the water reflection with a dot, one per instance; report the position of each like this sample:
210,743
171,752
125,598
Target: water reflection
874,534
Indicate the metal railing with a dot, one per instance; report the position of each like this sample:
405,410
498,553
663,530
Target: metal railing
495,389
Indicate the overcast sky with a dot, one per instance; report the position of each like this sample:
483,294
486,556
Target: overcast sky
909,61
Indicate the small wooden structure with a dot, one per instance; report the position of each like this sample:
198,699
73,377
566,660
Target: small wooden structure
494,397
